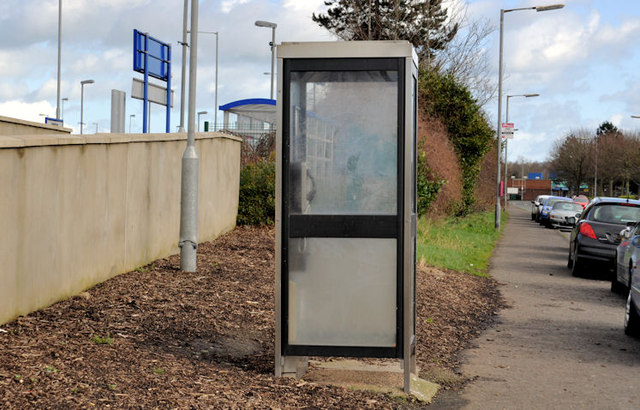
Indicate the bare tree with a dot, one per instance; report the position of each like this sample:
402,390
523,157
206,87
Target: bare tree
571,158
466,57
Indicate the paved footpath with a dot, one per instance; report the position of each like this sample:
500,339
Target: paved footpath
560,344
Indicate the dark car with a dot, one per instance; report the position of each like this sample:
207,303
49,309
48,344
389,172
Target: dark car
595,236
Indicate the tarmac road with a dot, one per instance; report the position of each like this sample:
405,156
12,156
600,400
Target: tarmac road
560,345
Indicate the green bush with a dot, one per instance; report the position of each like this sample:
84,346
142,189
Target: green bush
257,194
427,185
442,96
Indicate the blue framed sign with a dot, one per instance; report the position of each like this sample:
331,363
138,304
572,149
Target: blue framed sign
152,57
159,55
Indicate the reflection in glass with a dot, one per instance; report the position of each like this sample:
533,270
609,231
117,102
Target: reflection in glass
343,152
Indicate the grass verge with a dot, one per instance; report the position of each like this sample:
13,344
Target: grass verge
461,244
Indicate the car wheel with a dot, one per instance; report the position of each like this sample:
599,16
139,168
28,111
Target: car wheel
569,261
617,287
631,319
576,266
533,217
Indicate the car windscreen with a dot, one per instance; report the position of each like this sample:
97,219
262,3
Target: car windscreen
615,214
567,206
552,202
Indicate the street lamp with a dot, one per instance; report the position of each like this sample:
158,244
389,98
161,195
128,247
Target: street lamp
130,117
199,114
59,59
506,141
502,12
272,26
62,111
82,83
215,108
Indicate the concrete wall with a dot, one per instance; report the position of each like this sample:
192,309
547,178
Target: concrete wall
14,126
76,211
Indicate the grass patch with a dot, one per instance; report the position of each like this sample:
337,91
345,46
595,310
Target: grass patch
461,244
102,340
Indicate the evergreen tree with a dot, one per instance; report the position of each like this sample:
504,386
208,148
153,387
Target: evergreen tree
421,22
606,128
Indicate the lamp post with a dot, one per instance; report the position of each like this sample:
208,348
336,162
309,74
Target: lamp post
183,79
62,111
595,174
506,142
188,242
502,12
272,26
59,59
82,84
215,108
199,114
130,117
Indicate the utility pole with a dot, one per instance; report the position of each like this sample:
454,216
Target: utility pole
189,183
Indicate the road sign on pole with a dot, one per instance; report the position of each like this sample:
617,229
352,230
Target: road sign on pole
506,130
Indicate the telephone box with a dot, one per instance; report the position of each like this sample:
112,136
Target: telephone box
345,202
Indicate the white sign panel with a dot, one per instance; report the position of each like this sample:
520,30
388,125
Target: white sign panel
157,93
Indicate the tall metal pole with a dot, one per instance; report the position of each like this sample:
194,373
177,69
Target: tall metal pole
81,105
502,11
215,108
189,193
59,58
595,182
273,55
82,83
497,215
506,145
185,16
62,110
272,26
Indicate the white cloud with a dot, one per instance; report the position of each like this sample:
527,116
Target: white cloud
27,111
228,5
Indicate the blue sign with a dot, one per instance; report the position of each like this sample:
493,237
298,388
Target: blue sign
152,57
158,53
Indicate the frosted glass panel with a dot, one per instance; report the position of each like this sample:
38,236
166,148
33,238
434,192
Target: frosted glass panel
343,142
342,292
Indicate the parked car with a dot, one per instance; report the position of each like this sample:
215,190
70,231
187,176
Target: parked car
595,236
564,213
582,200
536,204
631,313
546,207
627,254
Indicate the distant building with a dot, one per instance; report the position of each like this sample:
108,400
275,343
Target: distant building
528,189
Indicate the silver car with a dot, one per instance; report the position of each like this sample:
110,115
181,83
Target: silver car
536,206
626,257
564,213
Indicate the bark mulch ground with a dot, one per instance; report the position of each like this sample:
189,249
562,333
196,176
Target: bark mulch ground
159,337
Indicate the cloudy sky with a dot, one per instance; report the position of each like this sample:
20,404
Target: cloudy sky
583,60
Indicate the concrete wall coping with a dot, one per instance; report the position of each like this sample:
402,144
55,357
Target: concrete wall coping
35,124
20,141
